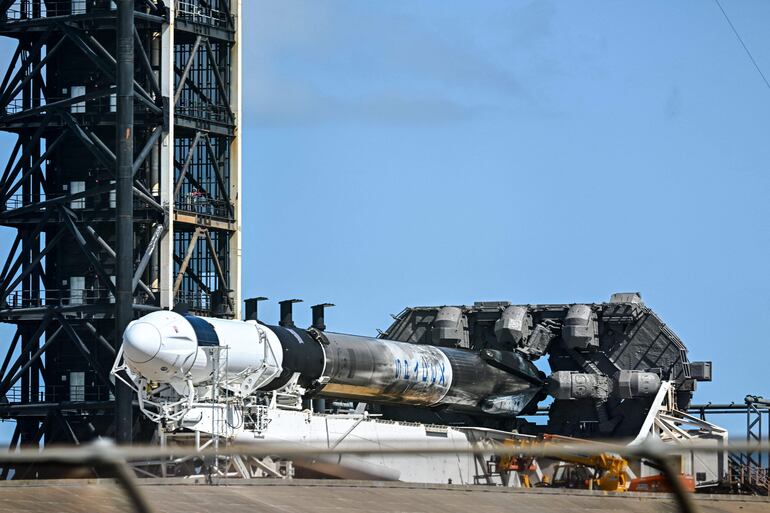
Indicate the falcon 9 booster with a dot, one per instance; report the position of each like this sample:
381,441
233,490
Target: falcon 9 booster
166,347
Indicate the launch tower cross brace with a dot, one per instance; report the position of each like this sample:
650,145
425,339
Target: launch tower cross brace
121,122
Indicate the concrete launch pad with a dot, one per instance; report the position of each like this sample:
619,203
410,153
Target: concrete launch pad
325,496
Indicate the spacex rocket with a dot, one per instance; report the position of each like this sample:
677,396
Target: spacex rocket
166,347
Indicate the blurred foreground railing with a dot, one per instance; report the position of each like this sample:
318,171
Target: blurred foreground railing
107,455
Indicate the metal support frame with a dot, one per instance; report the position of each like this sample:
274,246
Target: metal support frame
755,408
92,185
60,284
206,103
124,291
747,470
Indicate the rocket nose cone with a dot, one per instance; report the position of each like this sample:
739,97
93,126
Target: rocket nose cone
141,342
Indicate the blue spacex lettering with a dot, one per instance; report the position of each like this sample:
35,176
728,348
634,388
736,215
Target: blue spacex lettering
420,370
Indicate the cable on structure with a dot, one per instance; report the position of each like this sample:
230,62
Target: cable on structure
746,48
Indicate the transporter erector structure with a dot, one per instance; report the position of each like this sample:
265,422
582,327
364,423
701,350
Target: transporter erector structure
463,374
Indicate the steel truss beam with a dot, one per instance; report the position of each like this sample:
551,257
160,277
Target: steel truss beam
90,48
188,66
49,127
204,118
202,44
216,165
53,218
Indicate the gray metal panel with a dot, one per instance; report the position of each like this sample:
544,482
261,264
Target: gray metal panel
628,336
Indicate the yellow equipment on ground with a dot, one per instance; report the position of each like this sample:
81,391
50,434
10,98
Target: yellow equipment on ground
604,471
523,465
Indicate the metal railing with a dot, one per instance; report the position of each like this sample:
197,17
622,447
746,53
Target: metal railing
196,300
186,10
203,110
22,10
105,454
194,12
58,394
104,200
21,298
203,205
745,474
101,105
56,297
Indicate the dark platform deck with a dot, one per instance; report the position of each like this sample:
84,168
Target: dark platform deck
315,496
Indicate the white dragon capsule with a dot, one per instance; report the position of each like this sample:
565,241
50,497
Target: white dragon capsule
162,347
166,347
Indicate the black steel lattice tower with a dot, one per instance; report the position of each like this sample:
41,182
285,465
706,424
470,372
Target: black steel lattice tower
61,102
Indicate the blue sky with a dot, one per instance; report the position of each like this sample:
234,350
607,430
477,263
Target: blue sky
433,152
